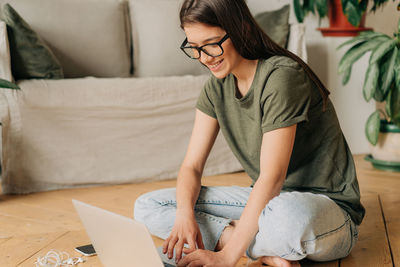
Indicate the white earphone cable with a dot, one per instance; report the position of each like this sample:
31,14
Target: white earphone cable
56,259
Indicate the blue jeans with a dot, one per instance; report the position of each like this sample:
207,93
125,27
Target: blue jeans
292,226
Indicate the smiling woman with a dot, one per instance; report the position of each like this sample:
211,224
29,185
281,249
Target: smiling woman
275,115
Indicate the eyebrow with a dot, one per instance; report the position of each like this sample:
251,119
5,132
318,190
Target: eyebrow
207,40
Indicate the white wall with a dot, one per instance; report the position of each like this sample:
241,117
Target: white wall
323,58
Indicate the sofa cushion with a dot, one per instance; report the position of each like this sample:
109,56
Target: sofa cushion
5,58
157,37
30,56
275,24
89,38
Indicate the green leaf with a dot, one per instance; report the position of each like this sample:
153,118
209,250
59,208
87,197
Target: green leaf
388,105
381,50
352,12
363,37
309,5
298,11
346,76
397,71
379,95
8,84
370,81
322,7
394,104
372,127
398,26
357,51
387,71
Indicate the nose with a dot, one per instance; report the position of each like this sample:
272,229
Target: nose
204,58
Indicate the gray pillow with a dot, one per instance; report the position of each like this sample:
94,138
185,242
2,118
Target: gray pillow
275,24
30,56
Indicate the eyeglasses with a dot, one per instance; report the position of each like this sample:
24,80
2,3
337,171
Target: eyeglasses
212,49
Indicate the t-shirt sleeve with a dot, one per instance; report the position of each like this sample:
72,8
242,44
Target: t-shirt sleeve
204,102
286,98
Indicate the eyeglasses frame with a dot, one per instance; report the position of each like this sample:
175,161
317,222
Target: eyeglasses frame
200,49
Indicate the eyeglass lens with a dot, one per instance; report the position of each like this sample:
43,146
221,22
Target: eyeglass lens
213,50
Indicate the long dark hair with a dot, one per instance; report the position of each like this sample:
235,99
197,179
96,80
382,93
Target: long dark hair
247,37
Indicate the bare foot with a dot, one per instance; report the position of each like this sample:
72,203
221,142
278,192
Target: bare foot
226,235
279,262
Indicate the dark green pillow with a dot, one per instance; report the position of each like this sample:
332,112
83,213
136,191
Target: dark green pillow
7,84
275,24
30,56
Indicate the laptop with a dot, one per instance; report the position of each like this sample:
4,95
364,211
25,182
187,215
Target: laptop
120,241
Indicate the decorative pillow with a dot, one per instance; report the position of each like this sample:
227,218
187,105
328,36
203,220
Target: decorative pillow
30,56
157,37
5,59
88,37
275,24
8,84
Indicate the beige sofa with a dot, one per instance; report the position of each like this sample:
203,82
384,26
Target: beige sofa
118,116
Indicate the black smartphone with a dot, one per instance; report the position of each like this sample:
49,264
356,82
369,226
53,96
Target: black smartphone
86,250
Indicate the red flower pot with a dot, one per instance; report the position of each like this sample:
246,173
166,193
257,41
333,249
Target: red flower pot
338,23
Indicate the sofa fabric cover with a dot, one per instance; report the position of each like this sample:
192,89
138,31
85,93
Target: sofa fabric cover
157,37
89,38
5,58
91,131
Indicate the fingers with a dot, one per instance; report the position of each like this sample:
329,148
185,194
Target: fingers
195,263
200,243
165,244
185,260
171,246
192,259
178,250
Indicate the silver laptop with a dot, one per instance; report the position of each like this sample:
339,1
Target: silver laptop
120,241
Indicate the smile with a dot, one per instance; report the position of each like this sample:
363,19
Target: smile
215,66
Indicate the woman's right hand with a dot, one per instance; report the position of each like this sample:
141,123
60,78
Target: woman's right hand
185,231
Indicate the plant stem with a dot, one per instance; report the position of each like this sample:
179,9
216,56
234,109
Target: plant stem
387,118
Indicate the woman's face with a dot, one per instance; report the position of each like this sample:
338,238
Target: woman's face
199,34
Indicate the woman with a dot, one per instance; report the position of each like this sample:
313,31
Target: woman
277,119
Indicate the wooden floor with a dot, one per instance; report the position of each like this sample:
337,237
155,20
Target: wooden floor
31,225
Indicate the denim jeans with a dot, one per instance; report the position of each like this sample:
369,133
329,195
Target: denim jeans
293,225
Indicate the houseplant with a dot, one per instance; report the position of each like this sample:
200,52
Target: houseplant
382,83
352,9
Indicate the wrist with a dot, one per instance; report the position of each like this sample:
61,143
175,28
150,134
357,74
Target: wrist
185,211
229,258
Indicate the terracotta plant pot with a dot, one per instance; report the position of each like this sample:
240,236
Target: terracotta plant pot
338,23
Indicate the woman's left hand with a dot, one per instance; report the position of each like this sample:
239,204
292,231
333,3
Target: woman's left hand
206,258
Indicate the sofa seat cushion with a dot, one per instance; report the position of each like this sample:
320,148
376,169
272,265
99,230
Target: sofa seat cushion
80,132
89,38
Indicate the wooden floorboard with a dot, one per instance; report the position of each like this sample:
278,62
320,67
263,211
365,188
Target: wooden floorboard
17,249
391,211
64,243
43,221
372,248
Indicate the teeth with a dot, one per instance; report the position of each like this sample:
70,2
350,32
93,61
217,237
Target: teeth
215,65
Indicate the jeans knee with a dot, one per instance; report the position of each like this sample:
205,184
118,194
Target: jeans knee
146,205
291,220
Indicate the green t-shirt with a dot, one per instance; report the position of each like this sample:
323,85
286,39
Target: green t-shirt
282,94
